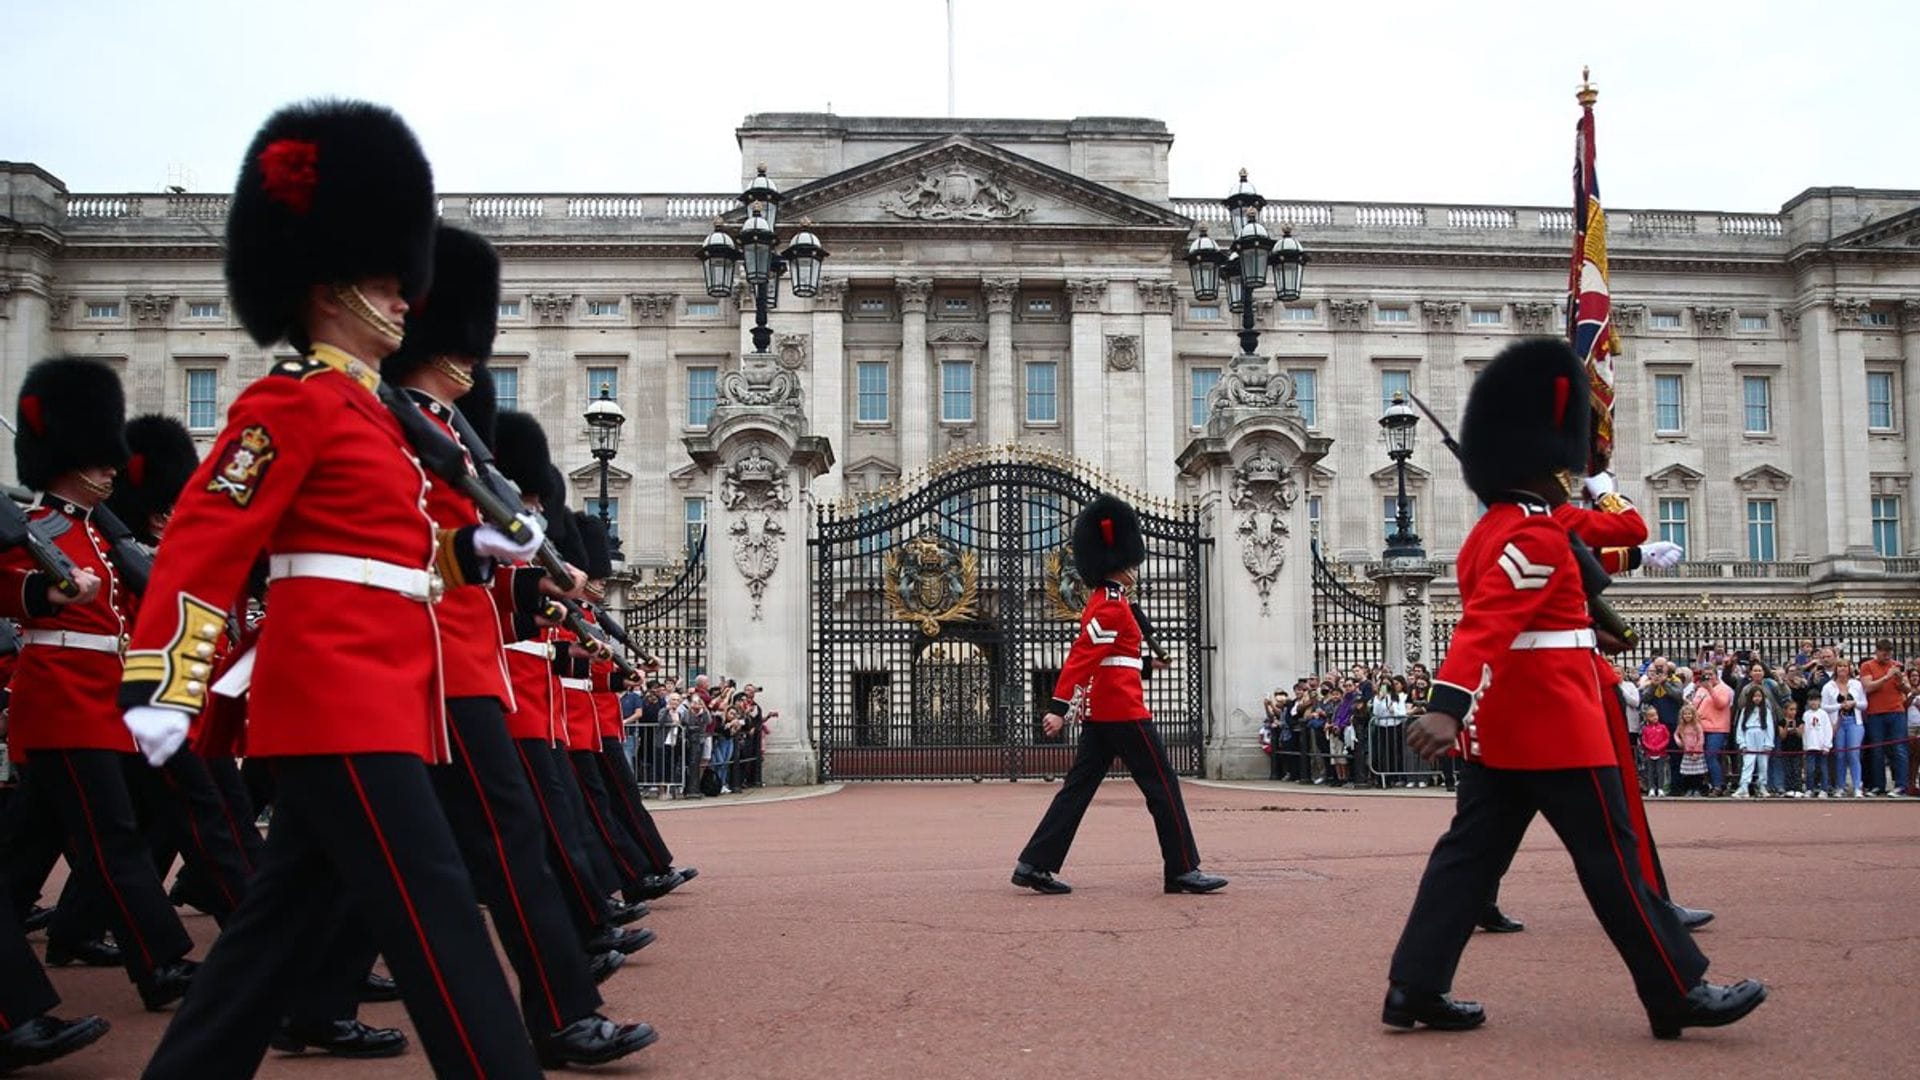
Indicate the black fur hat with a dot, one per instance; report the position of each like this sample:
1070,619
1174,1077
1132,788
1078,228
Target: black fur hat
459,316
1106,540
1526,418
480,405
160,460
72,415
330,191
596,544
520,449
564,530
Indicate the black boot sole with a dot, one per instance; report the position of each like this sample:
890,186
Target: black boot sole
1172,888
78,1038
1044,888
1670,1028
557,1061
1399,1018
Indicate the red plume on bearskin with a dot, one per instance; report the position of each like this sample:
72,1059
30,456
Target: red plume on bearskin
1107,539
163,458
1523,422
71,413
329,192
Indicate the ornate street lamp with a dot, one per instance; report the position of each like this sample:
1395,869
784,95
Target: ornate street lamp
1255,258
1398,422
1203,262
604,421
721,256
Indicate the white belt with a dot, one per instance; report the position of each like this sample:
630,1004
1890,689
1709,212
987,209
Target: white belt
1553,639
409,581
541,649
70,639
1122,661
577,684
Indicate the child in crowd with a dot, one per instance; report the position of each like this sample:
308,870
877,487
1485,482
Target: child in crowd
1755,717
1816,735
1653,751
1693,753
1785,775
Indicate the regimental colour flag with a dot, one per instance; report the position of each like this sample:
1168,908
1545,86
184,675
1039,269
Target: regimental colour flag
1589,301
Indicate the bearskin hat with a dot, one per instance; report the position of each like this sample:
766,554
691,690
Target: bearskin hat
1106,540
564,530
597,545
459,316
520,450
553,494
161,458
480,405
1526,418
330,191
72,415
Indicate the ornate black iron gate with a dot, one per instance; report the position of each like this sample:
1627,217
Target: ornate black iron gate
942,616
671,623
1349,626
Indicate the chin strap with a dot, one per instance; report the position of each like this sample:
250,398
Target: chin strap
95,488
461,377
354,301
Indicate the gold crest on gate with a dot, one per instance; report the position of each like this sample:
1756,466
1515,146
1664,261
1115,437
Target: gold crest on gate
1066,593
930,581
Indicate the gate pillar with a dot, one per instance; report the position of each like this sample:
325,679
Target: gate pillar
1250,468
1409,615
759,460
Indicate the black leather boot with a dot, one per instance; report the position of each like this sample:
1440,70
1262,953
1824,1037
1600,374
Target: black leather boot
627,941
1495,921
1691,918
1040,881
594,1040
1196,881
94,952
167,984
625,912
340,1038
377,987
37,919
41,1039
602,965
1406,1007
1708,1005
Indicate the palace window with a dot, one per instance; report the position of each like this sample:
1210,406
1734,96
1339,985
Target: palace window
1484,316
1043,392
103,309
1880,412
702,392
592,506
203,396
506,387
203,309
1877,318
1757,395
1394,381
1762,530
1313,518
603,308
870,378
1391,509
695,516
1306,394
509,309
1203,312
603,378
1886,525
1669,405
1395,313
1673,522
1663,320
1303,313
1040,305
956,391
1753,323
702,309
1202,380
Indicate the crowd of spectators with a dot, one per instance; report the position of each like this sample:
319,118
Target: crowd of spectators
1729,723
697,740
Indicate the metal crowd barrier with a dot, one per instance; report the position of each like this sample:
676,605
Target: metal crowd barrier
674,762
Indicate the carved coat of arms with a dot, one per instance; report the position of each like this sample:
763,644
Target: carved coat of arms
1066,593
954,192
930,582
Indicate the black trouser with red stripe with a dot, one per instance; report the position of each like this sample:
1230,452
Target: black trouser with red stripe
24,990
235,819
89,794
499,829
555,795
189,812
629,862
1588,810
1137,743
365,831
628,811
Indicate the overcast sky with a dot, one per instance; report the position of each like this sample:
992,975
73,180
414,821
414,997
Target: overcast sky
1703,105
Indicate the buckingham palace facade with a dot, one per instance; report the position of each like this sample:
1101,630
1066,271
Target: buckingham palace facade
1018,281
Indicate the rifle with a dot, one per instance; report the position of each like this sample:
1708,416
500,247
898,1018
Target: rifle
129,555
1594,578
17,531
492,494
614,630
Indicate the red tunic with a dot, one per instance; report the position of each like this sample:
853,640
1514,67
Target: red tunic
536,690
472,662
1537,708
63,697
310,462
1107,658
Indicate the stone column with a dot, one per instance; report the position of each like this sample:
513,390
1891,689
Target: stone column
30,309
1910,418
759,461
917,396
828,401
1003,418
1161,416
1251,466
1408,612
1087,363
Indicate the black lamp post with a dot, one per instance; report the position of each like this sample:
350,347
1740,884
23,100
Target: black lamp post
604,421
722,256
1245,266
1399,421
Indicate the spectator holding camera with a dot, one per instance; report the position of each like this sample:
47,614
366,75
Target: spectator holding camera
1884,680
1712,703
1845,702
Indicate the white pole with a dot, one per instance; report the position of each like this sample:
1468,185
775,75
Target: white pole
949,58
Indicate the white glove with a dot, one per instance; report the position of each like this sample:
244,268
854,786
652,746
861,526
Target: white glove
490,543
1599,484
1661,554
157,731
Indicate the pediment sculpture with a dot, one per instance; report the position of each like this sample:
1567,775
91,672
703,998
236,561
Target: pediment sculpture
954,192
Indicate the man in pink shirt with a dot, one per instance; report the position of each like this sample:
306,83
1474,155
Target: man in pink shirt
1713,701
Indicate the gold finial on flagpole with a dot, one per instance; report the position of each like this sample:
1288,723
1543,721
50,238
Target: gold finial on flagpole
1588,93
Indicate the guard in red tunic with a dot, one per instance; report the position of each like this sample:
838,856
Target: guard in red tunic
1519,696
329,234
483,789
82,772
1105,669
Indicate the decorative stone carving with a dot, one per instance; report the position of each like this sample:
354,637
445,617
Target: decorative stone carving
1087,294
1345,313
59,308
1261,495
791,351
1247,384
1441,314
1675,478
1000,293
762,381
914,293
6,293
955,192
1848,310
1909,313
1790,321
550,308
1534,316
1156,297
755,489
1709,320
832,295
1628,318
959,335
150,309
1123,352
651,307
1412,618
1763,476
